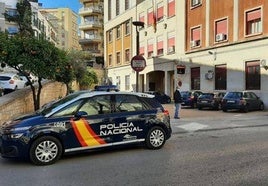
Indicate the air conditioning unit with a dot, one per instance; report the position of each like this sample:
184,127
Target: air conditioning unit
195,2
193,43
220,37
171,49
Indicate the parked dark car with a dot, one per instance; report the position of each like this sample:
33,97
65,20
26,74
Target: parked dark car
210,100
160,96
242,100
189,98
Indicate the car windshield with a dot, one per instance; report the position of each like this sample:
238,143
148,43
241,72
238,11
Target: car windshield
234,95
47,109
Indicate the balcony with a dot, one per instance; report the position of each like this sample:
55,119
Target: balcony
91,39
90,10
90,24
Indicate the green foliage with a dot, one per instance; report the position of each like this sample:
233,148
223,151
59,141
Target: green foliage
88,79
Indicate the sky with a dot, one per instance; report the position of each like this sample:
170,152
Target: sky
72,4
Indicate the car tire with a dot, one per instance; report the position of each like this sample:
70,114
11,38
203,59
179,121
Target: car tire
224,110
156,138
45,150
246,109
169,100
199,108
261,106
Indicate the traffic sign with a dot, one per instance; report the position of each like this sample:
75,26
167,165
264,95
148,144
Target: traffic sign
138,63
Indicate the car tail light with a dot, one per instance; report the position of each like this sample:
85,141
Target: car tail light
166,112
11,81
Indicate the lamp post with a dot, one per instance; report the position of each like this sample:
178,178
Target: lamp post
137,24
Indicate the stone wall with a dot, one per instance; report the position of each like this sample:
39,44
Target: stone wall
21,101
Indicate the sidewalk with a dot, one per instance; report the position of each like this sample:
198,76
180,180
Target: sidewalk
193,120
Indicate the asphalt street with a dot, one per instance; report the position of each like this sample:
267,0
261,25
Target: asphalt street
193,120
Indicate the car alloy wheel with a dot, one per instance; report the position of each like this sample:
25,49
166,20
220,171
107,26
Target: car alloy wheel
45,150
156,138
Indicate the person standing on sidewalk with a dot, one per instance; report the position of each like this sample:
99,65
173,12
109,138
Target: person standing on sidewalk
177,101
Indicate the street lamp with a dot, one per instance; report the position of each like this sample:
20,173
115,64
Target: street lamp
137,24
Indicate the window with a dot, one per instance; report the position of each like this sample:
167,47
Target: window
195,37
127,55
150,48
117,7
160,11
68,110
118,57
150,17
171,8
171,42
220,77
127,28
110,60
141,50
118,32
127,82
253,77
110,35
141,17
160,50
118,82
221,30
253,22
195,78
109,9
126,4
195,3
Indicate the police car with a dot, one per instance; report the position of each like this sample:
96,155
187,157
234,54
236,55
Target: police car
83,121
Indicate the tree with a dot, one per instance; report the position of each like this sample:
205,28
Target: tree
30,55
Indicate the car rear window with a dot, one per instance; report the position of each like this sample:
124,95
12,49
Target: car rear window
152,102
206,96
234,95
4,78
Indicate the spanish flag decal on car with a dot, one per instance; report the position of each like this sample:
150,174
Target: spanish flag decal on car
85,135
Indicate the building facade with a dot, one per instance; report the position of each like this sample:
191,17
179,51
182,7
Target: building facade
220,44
91,27
64,21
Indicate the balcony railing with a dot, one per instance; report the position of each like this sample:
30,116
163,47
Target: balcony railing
91,9
90,24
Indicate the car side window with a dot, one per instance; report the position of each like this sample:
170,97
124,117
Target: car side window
128,103
253,96
91,107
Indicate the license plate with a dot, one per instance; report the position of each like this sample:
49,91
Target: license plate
204,101
230,101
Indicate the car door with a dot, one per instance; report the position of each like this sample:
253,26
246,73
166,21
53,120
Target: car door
128,120
254,101
96,113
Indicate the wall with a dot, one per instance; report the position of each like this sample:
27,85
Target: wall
21,102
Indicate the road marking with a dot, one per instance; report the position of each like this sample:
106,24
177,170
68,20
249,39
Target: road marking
191,127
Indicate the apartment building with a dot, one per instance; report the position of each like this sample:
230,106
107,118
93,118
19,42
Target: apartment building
64,21
91,27
207,45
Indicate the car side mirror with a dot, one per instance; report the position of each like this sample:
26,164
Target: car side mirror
79,115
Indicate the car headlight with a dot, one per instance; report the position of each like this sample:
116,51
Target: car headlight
16,136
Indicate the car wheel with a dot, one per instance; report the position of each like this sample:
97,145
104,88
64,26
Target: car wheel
169,100
45,150
156,138
245,109
262,106
224,110
199,108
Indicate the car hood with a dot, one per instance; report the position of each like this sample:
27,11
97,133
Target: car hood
24,121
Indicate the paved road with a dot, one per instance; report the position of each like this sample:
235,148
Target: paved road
203,120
